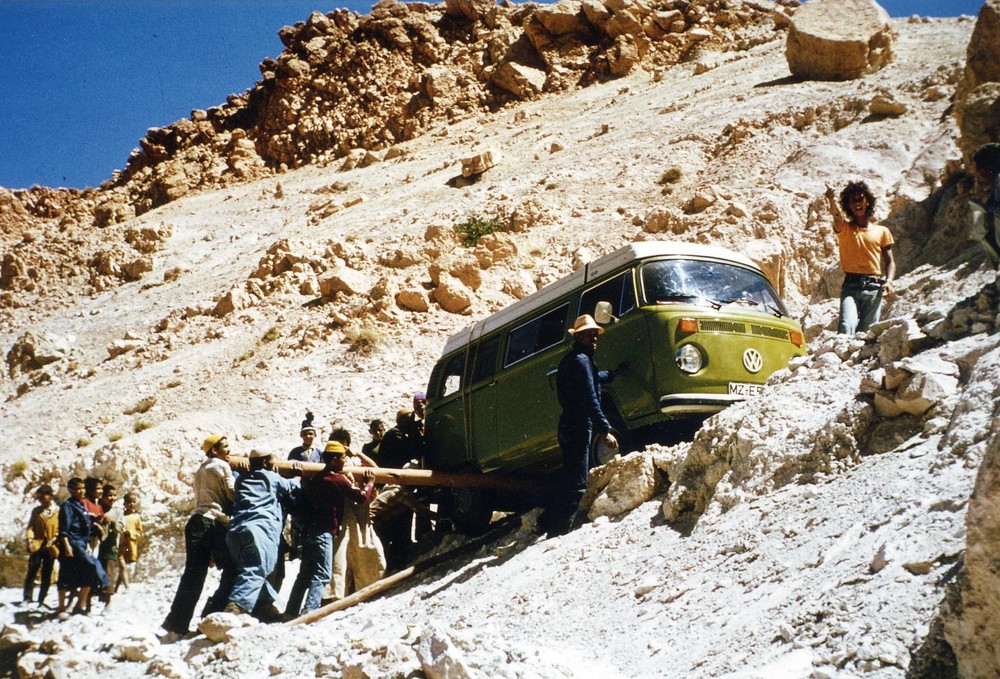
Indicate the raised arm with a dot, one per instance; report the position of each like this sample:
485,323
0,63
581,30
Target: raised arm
831,202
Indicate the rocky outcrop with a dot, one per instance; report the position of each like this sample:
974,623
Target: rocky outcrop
838,39
972,623
977,99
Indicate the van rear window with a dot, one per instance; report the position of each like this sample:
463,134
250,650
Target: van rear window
536,335
716,284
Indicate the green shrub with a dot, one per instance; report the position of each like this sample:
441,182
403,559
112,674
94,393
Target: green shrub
114,437
172,384
477,226
141,425
82,442
272,334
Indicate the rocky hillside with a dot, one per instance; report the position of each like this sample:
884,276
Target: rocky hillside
296,249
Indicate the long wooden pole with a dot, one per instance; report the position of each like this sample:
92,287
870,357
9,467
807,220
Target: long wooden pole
406,477
388,583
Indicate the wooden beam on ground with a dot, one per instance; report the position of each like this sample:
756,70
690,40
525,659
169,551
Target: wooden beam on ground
391,581
407,477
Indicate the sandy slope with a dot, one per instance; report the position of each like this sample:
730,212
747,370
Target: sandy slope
779,585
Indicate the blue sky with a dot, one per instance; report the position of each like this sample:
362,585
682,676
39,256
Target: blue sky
83,80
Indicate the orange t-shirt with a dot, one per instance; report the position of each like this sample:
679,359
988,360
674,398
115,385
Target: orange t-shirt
861,248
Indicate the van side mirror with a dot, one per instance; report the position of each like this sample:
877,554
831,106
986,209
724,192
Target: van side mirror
603,315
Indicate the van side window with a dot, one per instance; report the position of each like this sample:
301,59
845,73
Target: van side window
486,360
451,379
536,335
618,290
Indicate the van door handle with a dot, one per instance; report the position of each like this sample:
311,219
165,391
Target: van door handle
552,372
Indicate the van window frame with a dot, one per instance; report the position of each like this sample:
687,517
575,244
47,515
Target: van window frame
564,307
442,378
779,303
474,376
617,311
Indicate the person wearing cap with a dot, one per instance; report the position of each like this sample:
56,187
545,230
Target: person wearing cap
42,536
578,386
358,555
254,535
866,257
289,548
324,496
205,536
307,452
987,198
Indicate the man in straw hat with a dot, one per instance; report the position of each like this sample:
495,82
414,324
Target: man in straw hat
578,386
205,536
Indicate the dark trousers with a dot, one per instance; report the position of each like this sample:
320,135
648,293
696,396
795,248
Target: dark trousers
563,505
42,560
205,542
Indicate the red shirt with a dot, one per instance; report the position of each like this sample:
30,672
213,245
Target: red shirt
323,498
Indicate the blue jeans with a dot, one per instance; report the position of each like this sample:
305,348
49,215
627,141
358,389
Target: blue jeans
254,554
860,307
314,572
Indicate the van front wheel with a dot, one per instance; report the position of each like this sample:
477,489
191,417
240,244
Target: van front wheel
470,509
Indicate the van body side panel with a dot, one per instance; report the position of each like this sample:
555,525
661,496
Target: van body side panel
628,340
445,426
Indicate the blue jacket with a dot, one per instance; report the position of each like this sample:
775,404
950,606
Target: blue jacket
578,385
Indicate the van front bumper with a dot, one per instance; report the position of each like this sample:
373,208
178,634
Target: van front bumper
684,404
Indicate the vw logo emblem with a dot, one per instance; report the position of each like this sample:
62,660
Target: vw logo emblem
752,360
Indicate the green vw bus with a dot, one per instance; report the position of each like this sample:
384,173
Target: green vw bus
700,326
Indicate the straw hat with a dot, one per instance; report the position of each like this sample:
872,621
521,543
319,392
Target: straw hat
585,322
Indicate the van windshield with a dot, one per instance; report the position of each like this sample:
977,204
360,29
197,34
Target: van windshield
715,284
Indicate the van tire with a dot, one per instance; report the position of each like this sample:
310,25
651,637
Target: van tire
470,510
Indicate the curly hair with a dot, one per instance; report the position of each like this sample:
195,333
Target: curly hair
852,189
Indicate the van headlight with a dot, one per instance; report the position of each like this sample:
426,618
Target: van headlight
689,359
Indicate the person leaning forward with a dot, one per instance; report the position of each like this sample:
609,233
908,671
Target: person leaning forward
254,535
578,386
205,536
866,257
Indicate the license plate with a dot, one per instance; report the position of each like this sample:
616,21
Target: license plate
745,389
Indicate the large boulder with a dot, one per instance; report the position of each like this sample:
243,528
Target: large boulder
982,58
838,39
520,80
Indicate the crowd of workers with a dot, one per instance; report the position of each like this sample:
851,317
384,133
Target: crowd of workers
343,530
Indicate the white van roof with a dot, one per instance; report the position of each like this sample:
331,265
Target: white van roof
593,270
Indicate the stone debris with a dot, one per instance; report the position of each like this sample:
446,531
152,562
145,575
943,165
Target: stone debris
479,163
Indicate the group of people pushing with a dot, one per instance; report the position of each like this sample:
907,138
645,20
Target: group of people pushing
345,532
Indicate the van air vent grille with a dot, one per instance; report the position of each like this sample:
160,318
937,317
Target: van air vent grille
722,326
768,331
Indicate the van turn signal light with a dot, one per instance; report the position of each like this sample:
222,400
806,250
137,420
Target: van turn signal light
687,325
796,338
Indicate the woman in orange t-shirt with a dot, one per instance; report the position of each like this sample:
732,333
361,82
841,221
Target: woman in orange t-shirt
865,257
